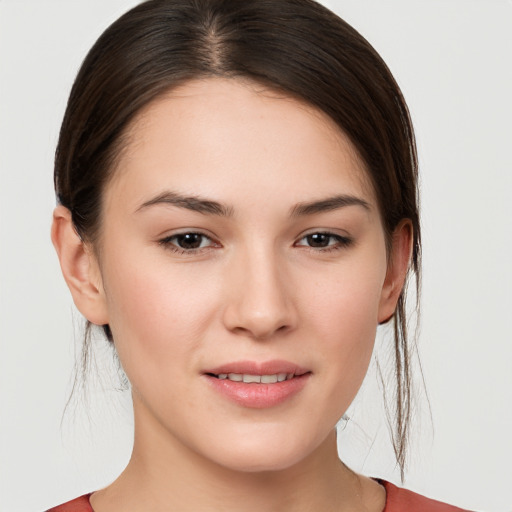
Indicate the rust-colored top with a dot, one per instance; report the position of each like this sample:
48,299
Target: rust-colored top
77,505
403,500
397,500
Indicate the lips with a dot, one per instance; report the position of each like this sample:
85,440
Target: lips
258,385
254,368
249,378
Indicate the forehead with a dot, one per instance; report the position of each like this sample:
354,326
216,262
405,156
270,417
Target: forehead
219,136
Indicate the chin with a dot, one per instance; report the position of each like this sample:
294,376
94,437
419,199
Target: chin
264,454
263,462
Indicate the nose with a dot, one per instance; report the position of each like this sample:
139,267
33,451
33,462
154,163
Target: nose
260,303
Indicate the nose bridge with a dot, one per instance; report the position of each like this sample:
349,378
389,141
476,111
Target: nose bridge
259,304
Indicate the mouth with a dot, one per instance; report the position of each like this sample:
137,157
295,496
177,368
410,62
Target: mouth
249,378
252,372
258,385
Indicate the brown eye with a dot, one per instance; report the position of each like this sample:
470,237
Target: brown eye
189,240
325,241
319,240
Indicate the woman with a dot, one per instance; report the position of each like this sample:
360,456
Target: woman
238,212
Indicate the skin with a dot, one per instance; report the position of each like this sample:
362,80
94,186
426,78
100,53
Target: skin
255,290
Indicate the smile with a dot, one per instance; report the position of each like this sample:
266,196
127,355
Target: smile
258,385
259,379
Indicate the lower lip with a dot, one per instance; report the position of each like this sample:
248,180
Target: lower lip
259,396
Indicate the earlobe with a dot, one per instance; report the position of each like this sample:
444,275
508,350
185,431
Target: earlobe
79,267
399,260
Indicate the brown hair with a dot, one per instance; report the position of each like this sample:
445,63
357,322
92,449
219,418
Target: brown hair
294,46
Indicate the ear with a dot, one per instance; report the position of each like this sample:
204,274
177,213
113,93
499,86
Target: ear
79,267
398,265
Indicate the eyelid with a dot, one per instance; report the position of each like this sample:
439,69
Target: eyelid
343,240
341,233
166,241
165,235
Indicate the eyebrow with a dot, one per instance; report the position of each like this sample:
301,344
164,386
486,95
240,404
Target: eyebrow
194,203
328,204
210,207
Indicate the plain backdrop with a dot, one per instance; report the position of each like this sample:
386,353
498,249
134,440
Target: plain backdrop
453,60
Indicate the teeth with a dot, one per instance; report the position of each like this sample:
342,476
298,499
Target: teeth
251,378
263,379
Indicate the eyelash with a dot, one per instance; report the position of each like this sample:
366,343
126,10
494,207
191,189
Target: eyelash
342,242
167,242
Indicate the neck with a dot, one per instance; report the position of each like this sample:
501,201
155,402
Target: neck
164,475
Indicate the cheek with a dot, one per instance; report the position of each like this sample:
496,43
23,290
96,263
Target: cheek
343,313
344,302
158,312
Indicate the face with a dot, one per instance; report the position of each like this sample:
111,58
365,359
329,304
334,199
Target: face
243,272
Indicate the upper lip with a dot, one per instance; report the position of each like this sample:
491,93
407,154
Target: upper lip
258,368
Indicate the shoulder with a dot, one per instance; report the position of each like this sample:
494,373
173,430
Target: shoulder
77,505
397,500
403,500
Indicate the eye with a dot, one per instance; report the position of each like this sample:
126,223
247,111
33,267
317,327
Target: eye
324,241
187,242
